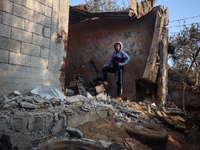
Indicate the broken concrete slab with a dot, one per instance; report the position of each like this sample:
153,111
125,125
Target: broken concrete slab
58,127
103,144
28,105
74,132
100,88
17,93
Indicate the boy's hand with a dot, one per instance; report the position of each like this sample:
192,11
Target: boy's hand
104,66
119,64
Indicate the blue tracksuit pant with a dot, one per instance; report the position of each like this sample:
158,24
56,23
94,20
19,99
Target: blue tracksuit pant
119,71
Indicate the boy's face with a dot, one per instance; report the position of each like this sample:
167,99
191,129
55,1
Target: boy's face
117,47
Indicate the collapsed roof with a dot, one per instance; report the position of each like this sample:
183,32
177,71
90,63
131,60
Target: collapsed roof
137,10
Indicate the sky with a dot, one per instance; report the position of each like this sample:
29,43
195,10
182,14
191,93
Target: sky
178,9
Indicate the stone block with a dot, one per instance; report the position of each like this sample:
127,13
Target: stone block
19,59
48,11
47,32
36,6
41,41
36,123
4,56
7,6
100,88
49,119
18,123
59,126
23,12
21,2
5,30
21,35
46,2
9,44
12,20
39,62
74,132
30,49
27,105
45,53
42,19
33,27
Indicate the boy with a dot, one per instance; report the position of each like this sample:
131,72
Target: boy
119,60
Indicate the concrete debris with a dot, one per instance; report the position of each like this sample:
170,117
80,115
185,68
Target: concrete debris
74,132
138,127
117,146
17,93
69,92
103,144
153,106
100,88
28,105
88,95
76,98
172,110
40,118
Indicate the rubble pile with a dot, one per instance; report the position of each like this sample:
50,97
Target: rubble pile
42,120
39,118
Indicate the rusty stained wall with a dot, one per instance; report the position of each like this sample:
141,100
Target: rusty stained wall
94,41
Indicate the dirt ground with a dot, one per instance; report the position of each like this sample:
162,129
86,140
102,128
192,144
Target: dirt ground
107,129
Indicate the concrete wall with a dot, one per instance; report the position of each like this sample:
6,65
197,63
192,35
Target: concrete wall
94,41
33,37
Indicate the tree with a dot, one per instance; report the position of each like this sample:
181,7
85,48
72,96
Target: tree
186,47
106,5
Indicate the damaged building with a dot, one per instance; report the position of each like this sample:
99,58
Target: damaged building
144,34
38,49
46,42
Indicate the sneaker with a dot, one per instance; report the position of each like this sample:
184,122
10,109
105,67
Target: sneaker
118,99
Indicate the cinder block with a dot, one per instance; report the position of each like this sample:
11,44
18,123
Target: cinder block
41,41
4,56
19,123
47,32
21,35
7,6
9,44
12,20
39,62
36,6
45,53
33,27
30,49
21,2
23,12
42,19
46,2
36,123
48,11
5,30
19,59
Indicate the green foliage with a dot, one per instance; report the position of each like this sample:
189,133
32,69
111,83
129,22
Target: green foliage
177,75
106,5
186,46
